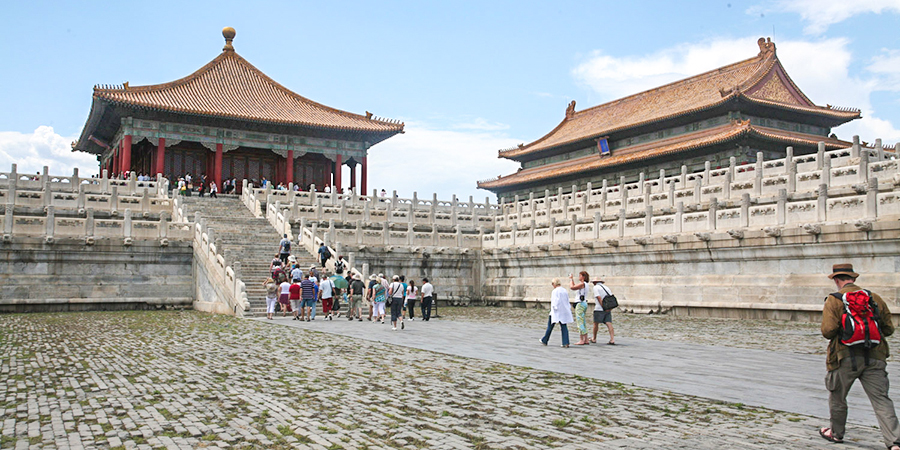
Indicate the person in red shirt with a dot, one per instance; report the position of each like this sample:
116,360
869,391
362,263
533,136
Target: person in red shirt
295,297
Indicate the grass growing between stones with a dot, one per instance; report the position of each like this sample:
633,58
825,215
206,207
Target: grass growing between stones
194,380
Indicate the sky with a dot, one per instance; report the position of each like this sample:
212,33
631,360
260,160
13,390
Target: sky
468,78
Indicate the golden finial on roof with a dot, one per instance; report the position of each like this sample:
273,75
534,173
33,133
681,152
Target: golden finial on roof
228,33
766,46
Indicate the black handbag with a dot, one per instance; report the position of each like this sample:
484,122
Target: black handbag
610,302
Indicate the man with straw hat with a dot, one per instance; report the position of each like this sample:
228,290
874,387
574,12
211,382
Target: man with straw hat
857,321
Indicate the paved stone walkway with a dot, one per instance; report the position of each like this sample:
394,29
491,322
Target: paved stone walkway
184,380
776,380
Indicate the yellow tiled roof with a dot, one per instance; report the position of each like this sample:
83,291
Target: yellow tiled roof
683,143
231,87
760,79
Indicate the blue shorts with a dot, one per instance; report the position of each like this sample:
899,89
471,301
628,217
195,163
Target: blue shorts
309,302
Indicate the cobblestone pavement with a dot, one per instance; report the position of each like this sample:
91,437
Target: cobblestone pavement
778,336
189,380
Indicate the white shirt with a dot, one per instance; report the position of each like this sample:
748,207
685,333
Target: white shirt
286,288
427,290
411,292
327,189
582,292
560,311
600,292
325,288
396,290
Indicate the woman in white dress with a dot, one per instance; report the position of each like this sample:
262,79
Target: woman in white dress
560,312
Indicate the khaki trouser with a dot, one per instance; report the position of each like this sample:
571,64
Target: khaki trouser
875,382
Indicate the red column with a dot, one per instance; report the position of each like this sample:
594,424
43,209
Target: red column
126,153
290,166
337,175
217,170
353,176
362,176
160,157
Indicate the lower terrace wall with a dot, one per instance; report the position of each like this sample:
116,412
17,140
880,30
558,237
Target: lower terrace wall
456,275
716,275
69,275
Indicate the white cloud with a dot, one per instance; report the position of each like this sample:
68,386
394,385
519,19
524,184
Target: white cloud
887,66
446,162
820,14
481,124
32,151
823,69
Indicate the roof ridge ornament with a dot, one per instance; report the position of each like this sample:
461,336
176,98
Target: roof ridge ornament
228,33
766,46
570,110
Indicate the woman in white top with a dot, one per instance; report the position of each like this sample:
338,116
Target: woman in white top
560,312
411,292
285,298
582,293
271,297
396,294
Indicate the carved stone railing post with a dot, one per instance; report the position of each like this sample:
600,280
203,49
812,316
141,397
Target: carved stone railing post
411,215
343,214
114,199
820,155
758,176
104,182
76,180
683,178
679,217
145,201
330,237
706,168
788,159
532,225
642,178
697,189
726,186
623,193
864,165
603,196
515,230
671,196
13,185
436,239
648,220
410,235
826,171
589,192
662,181
732,165
315,231
792,177
552,227
163,226
50,223
386,233
80,202
597,218
8,219
647,194
854,149
879,150
547,202
712,213
822,203
622,222
871,197
572,228
127,225
780,207
89,222
745,210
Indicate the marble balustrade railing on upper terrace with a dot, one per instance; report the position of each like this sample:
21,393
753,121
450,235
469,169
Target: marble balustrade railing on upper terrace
837,168
395,210
72,192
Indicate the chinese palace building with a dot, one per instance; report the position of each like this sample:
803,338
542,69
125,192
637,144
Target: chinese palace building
734,111
228,119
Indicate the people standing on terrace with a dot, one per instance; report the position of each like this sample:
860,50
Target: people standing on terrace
326,189
213,189
582,293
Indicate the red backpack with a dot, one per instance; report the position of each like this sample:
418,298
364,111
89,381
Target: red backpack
859,322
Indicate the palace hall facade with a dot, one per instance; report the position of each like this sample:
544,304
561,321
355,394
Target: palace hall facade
228,119
738,110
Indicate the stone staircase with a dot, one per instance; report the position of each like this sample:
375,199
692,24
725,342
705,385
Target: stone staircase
250,240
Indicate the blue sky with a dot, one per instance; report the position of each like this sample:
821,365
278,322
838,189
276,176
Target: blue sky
468,78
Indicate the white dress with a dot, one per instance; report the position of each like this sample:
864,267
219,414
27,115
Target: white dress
560,311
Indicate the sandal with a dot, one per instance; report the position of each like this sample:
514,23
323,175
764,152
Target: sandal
828,435
610,343
592,341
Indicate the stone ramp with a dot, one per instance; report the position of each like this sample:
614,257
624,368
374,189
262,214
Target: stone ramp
245,238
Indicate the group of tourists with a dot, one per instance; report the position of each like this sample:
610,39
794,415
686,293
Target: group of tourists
187,184
296,291
561,309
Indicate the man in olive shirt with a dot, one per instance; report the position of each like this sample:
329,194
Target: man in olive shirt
846,364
